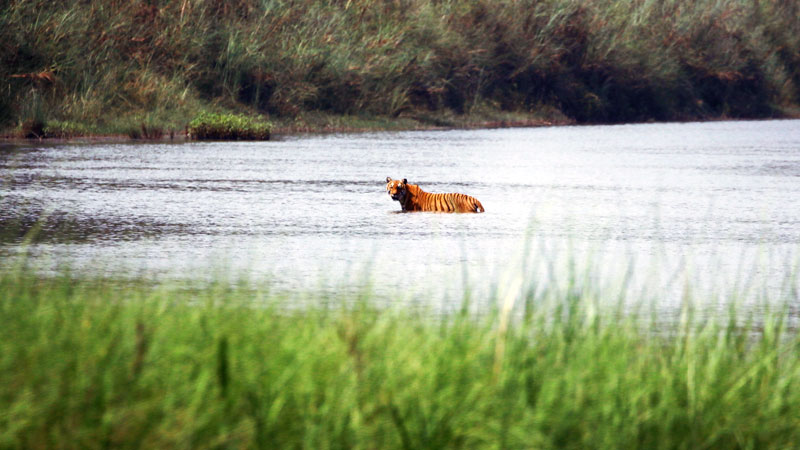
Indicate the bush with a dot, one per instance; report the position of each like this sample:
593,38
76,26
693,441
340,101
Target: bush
65,129
228,127
144,131
32,129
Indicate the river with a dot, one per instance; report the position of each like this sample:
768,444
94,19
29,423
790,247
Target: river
714,206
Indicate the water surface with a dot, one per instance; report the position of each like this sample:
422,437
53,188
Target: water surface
716,205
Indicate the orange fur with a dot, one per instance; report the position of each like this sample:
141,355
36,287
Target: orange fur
413,198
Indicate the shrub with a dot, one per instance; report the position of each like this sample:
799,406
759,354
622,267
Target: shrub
144,131
32,129
228,127
65,129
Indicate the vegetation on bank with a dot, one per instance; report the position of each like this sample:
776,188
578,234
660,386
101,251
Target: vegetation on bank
146,66
228,127
89,363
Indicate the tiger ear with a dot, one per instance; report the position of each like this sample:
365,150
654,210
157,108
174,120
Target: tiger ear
388,179
405,181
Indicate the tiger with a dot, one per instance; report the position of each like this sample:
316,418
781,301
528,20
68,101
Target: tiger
413,198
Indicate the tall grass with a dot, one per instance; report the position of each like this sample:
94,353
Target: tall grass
598,60
91,363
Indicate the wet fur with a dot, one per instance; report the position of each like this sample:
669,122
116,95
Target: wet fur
413,198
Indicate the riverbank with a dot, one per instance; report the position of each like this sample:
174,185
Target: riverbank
91,363
321,123
145,68
310,122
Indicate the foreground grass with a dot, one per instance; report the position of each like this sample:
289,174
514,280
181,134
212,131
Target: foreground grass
89,364
151,66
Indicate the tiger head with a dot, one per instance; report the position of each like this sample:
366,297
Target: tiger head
397,189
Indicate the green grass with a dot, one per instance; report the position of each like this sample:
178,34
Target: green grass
103,62
229,127
90,363
58,129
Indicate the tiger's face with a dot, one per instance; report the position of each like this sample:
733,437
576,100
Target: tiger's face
396,189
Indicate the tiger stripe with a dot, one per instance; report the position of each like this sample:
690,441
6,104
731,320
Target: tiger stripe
413,198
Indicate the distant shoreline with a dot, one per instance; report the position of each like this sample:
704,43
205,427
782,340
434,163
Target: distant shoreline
147,69
330,124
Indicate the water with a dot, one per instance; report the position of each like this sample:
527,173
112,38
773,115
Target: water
716,205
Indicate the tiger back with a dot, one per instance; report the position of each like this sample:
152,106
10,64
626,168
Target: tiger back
413,198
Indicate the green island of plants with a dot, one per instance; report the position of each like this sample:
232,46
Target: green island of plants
228,127
146,68
98,363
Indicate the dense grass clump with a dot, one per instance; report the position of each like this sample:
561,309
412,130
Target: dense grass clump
229,127
59,129
93,363
591,61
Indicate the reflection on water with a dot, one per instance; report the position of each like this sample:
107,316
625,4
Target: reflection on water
719,200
